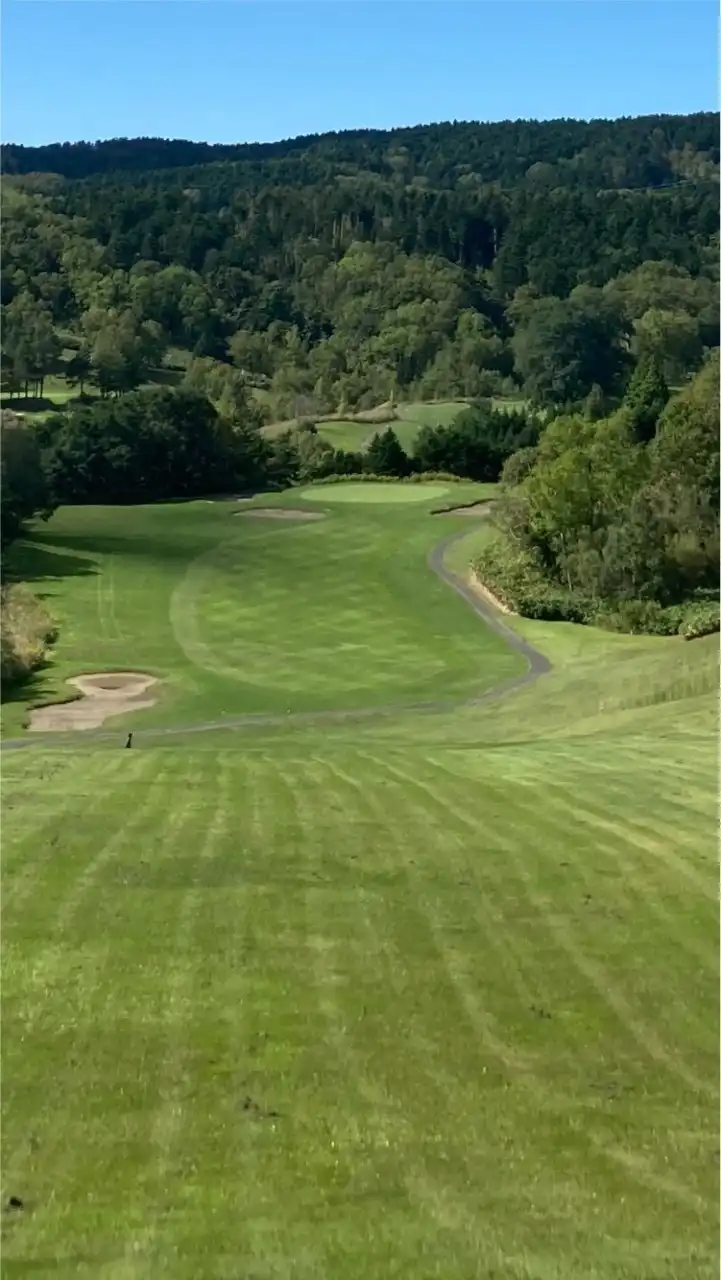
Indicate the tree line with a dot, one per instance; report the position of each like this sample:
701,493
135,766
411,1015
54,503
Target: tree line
617,520
167,443
645,151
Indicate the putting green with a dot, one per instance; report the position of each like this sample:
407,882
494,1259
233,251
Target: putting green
373,492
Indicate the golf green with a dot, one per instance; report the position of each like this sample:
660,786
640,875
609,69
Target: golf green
428,992
385,494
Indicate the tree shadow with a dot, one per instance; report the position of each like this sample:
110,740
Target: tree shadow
29,688
179,548
38,561
30,404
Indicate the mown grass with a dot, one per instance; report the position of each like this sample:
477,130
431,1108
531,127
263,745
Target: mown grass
242,615
353,437
428,996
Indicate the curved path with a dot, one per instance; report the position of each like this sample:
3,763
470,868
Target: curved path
538,665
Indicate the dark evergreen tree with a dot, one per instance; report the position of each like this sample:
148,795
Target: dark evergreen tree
386,456
646,399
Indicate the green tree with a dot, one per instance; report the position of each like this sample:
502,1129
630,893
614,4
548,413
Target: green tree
564,348
685,453
24,490
646,399
30,343
595,404
315,456
78,369
386,456
147,446
671,338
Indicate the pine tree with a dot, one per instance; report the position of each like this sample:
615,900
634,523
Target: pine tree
386,456
646,398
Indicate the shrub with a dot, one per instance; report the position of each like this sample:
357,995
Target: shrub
700,620
26,631
515,577
640,618
647,617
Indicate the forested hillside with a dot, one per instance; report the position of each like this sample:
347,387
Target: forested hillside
643,152
349,268
550,268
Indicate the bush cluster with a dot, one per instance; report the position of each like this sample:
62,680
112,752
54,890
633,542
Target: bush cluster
517,580
26,632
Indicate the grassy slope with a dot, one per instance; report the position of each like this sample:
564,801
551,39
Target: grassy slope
429,997
411,417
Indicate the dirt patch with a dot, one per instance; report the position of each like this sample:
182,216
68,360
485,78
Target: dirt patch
111,693
475,509
229,497
484,594
280,513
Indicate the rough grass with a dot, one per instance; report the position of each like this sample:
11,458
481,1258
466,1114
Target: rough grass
434,996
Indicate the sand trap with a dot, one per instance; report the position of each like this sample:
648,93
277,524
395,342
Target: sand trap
476,509
112,693
280,513
482,591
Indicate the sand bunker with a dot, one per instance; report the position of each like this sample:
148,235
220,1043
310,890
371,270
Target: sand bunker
280,513
476,509
484,594
111,693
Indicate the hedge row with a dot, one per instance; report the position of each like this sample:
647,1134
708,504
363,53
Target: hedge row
700,620
516,579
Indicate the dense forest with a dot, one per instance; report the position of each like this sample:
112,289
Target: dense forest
188,294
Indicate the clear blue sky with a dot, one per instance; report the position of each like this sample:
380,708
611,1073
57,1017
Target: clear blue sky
236,71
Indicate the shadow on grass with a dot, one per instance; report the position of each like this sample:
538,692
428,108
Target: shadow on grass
161,549
38,561
31,404
29,689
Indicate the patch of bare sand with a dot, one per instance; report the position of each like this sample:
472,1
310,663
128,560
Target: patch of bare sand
280,513
483,593
476,509
111,693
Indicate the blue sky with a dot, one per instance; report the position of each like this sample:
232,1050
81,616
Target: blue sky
238,70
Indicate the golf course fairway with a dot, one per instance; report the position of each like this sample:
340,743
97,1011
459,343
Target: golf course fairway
390,950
